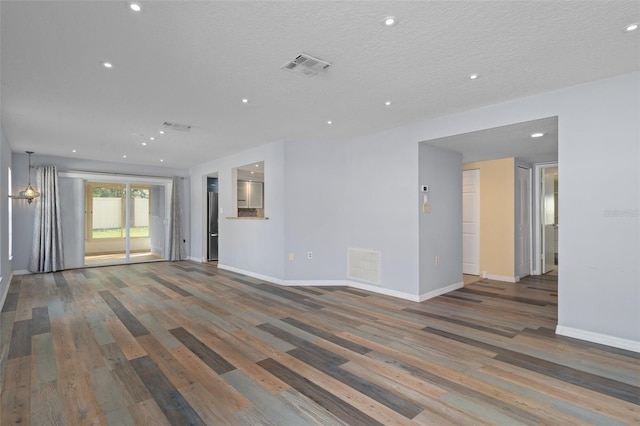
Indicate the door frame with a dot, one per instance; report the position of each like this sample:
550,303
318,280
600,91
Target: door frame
476,173
530,222
537,235
126,179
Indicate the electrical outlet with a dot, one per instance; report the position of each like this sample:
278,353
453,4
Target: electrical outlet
437,260
310,255
292,257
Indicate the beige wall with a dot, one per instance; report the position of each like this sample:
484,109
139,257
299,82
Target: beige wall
497,215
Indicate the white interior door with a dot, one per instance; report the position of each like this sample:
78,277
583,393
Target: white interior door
524,222
471,222
548,219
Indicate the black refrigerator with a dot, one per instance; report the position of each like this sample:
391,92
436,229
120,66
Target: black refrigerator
212,227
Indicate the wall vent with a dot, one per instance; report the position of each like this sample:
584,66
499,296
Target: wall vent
364,265
176,126
305,65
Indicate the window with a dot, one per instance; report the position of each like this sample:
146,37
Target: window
10,216
106,209
250,190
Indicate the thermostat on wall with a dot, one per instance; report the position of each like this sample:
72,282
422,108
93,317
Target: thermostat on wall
425,188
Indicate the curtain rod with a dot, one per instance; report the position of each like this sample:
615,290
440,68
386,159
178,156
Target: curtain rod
121,174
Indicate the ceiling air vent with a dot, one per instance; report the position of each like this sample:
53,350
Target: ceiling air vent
176,126
305,65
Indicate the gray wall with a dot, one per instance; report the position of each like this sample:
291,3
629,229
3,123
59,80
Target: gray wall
440,230
315,205
255,246
5,263
599,164
72,193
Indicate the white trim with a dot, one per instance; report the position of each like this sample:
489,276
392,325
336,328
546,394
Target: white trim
6,291
503,278
197,259
381,290
536,266
250,274
21,272
346,283
314,283
440,291
603,339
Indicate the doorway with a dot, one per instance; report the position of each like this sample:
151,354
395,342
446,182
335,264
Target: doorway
547,261
124,222
523,221
471,222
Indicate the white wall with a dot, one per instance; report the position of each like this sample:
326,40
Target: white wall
599,162
5,264
316,213
72,193
599,171
254,246
441,229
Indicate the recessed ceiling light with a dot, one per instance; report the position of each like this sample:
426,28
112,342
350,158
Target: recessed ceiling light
73,150
124,156
135,7
387,103
329,122
473,76
161,160
390,21
257,165
107,64
537,135
631,27
152,138
144,144
252,172
245,100
162,132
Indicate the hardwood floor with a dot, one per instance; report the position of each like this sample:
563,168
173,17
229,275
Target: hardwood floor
183,343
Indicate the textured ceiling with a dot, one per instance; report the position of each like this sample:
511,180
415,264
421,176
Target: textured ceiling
192,63
507,141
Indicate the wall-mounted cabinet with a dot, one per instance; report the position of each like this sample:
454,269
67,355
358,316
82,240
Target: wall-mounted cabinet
250,195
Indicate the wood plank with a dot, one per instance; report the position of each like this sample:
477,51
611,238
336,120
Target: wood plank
207,355
16,387
175,408
148,413
485,356
46,405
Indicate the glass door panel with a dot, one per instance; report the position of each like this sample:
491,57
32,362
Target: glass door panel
105,235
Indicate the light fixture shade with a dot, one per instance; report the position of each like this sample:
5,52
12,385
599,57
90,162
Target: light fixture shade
29,193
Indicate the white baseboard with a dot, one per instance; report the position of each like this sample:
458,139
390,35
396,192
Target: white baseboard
6,291
438,292
251,274
21,272
314,283
196,259
347,283
381,290
503,278
602,339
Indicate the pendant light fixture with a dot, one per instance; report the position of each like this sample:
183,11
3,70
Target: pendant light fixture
29,193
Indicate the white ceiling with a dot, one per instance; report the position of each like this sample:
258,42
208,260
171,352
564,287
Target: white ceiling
507,141
192,62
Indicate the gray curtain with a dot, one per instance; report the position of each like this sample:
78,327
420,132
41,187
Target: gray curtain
46,252
175,222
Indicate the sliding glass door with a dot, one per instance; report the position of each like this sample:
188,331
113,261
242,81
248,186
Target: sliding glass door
125,222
